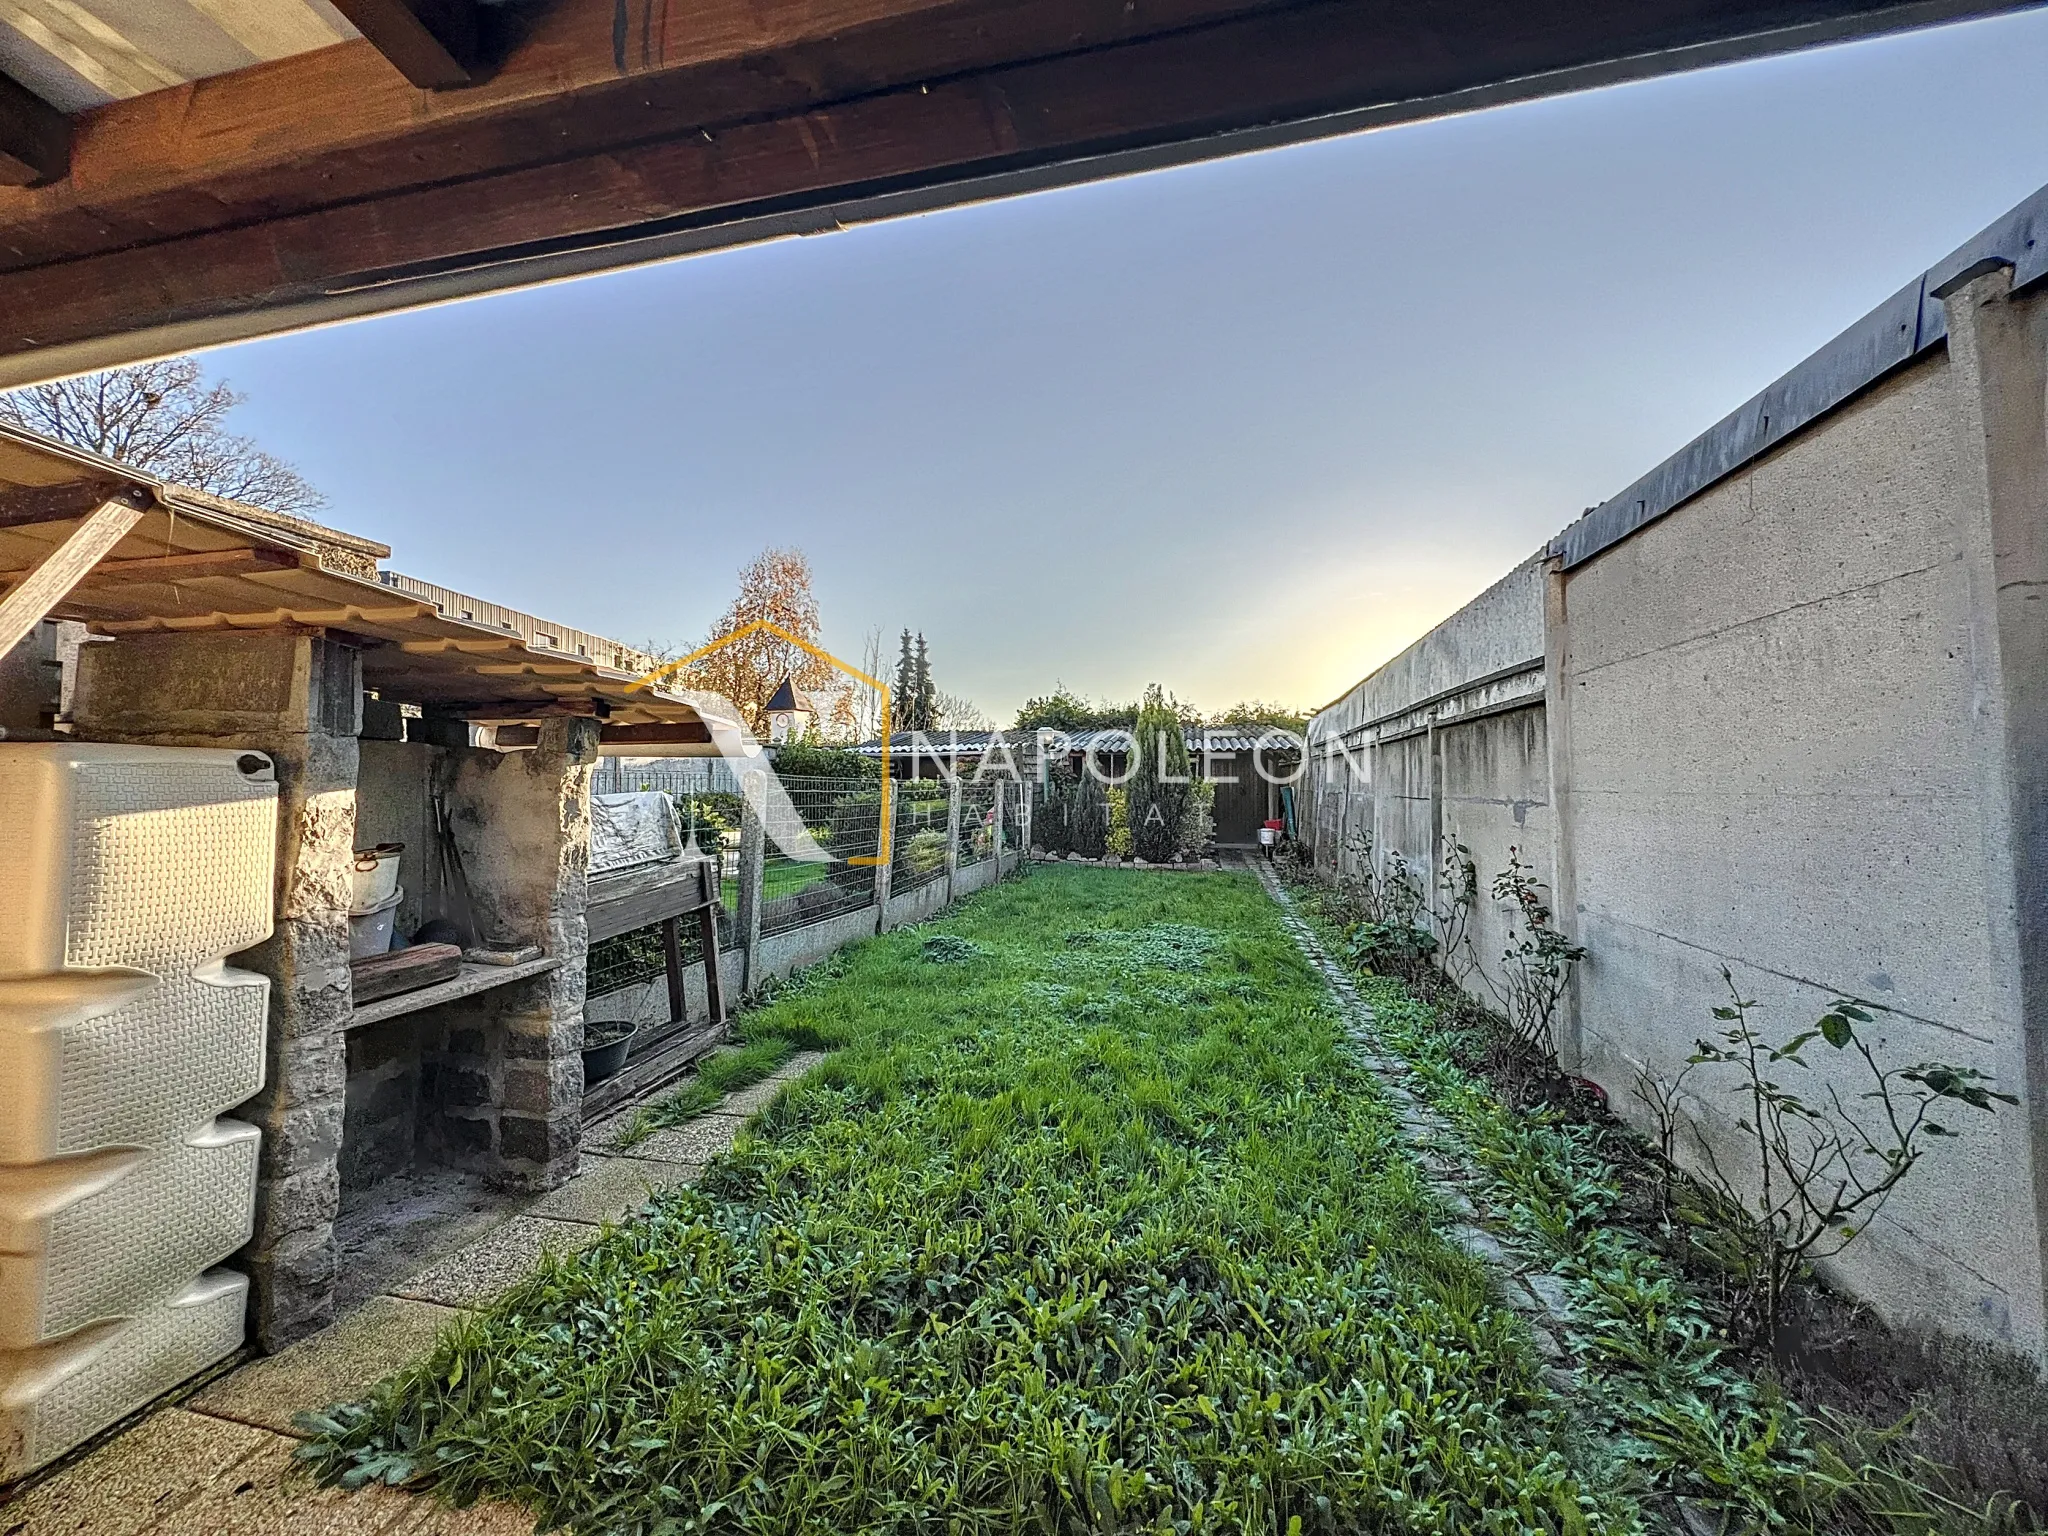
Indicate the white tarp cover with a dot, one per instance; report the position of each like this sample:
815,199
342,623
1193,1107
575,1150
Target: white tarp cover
629,830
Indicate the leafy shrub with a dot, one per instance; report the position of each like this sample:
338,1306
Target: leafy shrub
1119,840
1071,814
950,949
805,760
925,852
1157,790
1198,818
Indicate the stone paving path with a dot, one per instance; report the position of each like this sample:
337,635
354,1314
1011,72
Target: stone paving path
1531,1289
220,1463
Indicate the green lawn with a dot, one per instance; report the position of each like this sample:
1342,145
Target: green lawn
1088,1225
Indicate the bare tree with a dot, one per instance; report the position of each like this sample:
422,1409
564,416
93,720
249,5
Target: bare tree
776,586
169,419
953,713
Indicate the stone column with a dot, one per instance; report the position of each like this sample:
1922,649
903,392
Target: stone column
1557,737
508,1087
1998,355
297,698
885,845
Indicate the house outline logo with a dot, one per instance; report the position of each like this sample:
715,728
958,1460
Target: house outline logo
669,669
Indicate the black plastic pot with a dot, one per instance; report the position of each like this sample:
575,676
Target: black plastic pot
603,1061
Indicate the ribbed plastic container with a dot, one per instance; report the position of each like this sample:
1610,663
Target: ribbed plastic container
127,876
158,859
95,1059
59,1394
112,1233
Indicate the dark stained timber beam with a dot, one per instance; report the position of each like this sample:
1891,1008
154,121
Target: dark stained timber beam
270,202
35,138
433,43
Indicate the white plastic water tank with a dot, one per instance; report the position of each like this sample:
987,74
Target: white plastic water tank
127,876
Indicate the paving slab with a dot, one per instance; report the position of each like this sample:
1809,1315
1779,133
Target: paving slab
474,1275
797,1066
130,1483
272,1494
336,1365
612,1188
696,1141
748,1101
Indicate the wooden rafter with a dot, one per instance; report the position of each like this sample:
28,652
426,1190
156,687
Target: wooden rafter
611,131
190,566
29,601
434,44
35,138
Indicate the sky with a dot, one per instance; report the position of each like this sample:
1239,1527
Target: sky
1244,429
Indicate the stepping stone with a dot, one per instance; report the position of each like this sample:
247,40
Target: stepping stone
336,1365
271,1494
612,1188
1550,1290
129,1484
471,1276
1478,1242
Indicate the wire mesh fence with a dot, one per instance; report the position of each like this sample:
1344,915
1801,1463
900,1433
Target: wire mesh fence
843,817
1016,819
977,822
680,776
922,813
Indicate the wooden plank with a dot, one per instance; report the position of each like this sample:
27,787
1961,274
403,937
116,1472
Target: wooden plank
714,984
672,966
557,183
35,138
24,506
181,567
678,733
471,980
433,43
403,970
671,1058
647,905
29,601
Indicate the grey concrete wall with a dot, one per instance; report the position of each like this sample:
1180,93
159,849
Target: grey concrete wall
1494,776
1775,703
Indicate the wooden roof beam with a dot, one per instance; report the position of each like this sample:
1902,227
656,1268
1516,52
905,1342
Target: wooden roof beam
435,44
35,138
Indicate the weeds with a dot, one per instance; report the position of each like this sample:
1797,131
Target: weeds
717,1075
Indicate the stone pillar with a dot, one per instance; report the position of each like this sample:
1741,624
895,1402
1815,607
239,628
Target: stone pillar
1998,355
507,1087
297,698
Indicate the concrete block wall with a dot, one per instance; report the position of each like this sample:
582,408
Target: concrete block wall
1791,719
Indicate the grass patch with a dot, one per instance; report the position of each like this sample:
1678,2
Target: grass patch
1099,1230
723,1072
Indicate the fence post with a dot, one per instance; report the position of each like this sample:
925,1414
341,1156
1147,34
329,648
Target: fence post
995,840
884,840
1024,820
753,859
952,835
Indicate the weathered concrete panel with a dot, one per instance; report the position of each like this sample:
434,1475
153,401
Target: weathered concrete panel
1772,694
1495,774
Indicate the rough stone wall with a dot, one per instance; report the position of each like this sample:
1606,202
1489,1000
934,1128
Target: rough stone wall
521,821
1774,766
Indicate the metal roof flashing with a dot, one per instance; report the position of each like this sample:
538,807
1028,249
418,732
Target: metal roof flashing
1903,328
